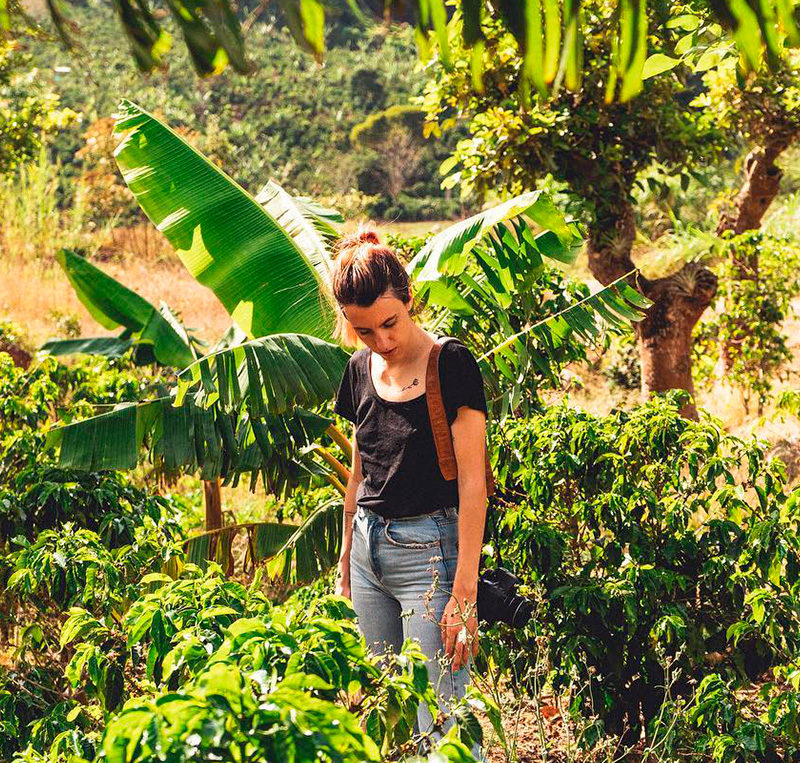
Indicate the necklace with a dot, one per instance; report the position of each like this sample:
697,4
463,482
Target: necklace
409,386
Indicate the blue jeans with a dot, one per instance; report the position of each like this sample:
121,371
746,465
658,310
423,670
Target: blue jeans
393,566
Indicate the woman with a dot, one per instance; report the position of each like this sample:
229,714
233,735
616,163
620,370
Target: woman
411,539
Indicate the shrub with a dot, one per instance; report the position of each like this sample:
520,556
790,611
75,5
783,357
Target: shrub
758,281
646,538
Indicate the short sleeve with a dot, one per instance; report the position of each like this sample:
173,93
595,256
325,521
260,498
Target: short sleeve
345,398
462,383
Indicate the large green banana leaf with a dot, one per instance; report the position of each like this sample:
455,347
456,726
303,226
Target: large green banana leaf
299,223
273,373
295,553
113,305
480,275
107,346
448,251
216,430
226,239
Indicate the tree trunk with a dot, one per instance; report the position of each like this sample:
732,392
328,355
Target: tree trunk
762,179
212,493
665,334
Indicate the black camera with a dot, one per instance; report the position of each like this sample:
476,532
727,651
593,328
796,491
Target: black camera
498,600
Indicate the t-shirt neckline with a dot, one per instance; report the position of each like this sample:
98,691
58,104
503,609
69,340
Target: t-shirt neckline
374,391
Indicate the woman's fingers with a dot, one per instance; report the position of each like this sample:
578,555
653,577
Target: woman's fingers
461,650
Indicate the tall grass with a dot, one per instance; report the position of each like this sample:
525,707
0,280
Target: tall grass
33,225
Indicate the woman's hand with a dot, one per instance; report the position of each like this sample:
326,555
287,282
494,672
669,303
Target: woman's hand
343,577
459,626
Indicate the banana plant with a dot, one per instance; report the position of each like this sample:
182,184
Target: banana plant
480,274
157,334
267,265
548,33
267,259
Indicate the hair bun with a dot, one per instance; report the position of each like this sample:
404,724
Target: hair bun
353,240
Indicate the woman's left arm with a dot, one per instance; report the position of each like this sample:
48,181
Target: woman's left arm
460,614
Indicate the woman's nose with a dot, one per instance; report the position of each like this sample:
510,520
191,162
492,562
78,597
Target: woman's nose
383,342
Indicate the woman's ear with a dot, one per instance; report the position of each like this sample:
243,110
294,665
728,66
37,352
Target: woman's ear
410,306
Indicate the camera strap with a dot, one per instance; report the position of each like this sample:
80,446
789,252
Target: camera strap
442,436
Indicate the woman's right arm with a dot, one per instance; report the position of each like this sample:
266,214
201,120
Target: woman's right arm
343,579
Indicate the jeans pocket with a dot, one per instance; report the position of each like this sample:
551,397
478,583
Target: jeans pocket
417,533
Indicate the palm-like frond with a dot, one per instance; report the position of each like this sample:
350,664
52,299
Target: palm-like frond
480,273
295,553
324,219
113,305
512,363
226,239
313,547
108,346
299,224
217,443
448,251
272,374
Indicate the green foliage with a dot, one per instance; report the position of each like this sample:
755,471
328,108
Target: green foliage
623,369
27,112
34,494
72,565
208,653
647,538
597,148
288,119
759,278
486,279
33,708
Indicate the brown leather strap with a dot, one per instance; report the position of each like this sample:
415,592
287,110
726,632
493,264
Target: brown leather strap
442,436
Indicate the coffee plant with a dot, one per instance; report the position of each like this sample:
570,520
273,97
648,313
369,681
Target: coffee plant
646,538
758,280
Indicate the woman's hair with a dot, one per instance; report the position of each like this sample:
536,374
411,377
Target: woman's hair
365,269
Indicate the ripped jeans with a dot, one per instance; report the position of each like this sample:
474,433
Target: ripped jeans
392,564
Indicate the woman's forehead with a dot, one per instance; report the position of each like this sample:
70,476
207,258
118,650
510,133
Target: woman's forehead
383,308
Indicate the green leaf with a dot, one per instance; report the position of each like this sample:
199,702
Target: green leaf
314,546
306,22
225,238
113,305
447,251
657,64
107,346
273,373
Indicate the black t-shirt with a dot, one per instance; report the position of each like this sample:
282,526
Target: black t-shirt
395,441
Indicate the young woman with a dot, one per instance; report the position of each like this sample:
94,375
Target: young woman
412,540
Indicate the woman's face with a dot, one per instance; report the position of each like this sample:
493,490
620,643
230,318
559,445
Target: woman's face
385,326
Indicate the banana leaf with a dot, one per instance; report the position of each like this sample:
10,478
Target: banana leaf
113,305
295,553
448,251
323,219
225,238
108,346
480,277
272,374
190,438
312,549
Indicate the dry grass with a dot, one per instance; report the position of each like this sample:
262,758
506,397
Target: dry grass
34,292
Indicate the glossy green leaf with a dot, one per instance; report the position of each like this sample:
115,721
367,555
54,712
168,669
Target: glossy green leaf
113,305
226,239
447,251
